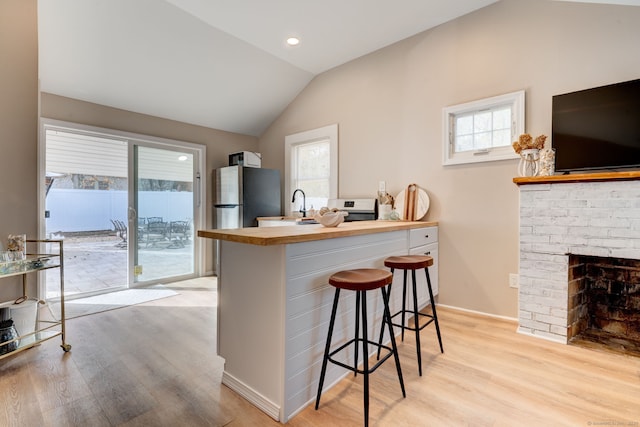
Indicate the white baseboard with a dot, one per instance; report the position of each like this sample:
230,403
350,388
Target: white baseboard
255,398
558,339
481,313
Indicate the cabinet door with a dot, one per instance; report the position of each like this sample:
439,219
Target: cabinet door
423,294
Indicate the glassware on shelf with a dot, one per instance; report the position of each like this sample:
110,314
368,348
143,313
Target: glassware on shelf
12,261
4,262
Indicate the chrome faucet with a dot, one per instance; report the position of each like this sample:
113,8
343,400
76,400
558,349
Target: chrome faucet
304,201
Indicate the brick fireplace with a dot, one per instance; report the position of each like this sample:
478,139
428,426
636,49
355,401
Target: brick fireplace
565,218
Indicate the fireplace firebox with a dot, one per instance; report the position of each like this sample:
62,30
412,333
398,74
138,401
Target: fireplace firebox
604,302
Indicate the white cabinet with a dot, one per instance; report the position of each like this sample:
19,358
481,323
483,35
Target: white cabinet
424,241
423,236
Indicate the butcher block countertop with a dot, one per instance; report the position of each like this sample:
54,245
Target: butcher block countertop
266,236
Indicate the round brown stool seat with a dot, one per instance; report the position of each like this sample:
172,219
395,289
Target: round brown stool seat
413,263
409,262
361,280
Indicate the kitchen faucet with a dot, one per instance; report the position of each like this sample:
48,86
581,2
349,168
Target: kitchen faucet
304,201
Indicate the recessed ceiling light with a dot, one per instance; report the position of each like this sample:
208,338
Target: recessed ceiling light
293,41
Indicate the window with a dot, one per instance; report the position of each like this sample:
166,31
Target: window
311,164
483,130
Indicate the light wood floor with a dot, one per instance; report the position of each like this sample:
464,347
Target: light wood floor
155,365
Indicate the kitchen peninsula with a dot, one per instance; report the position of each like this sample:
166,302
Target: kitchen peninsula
274,301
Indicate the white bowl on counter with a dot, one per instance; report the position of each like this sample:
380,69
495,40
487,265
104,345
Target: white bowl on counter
331,219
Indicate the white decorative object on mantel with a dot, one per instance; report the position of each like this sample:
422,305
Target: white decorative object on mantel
547,162
528,165
529,151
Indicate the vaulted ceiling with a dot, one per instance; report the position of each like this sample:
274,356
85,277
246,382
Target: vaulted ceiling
222,64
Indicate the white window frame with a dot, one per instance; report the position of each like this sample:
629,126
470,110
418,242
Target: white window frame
514,100
329,132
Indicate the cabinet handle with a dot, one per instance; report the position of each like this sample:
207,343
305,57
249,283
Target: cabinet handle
428,253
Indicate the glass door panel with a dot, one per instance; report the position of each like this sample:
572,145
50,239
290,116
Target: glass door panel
162,214
85,195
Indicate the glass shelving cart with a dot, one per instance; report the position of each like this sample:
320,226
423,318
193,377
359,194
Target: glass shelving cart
46,327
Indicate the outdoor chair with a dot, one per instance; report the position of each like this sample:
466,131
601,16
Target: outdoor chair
179,232
156,232
154,219
121,231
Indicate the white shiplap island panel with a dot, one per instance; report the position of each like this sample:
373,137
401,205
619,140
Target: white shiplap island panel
275,302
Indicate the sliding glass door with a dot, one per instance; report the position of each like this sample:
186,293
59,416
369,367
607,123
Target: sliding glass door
126,206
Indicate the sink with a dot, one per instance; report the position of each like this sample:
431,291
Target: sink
307,221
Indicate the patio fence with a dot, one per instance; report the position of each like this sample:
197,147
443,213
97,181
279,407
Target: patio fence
73,210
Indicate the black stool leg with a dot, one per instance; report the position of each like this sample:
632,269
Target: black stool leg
384,319
416,321
357,334
365,357
325,359
433,308
387,315
404,301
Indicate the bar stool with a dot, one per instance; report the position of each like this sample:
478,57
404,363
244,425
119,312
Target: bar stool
413,263
361,281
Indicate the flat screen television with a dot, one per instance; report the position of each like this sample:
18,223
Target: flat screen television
597,129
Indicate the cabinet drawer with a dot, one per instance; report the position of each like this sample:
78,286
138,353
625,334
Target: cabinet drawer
423,236
432,251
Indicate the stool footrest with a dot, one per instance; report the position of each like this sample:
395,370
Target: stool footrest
412,328
358,341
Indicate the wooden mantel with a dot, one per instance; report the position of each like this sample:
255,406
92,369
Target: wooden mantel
579,177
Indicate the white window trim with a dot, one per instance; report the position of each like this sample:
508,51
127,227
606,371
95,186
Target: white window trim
327,132
517,101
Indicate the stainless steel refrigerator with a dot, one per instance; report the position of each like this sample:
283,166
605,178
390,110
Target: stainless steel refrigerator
242,194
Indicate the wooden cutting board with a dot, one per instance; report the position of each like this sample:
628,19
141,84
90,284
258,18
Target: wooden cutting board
413,203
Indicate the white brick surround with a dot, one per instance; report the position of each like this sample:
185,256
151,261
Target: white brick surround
556,219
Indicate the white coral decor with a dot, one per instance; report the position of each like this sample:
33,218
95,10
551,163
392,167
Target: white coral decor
331,219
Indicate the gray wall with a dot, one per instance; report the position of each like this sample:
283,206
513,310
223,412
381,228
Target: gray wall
388,106
18,122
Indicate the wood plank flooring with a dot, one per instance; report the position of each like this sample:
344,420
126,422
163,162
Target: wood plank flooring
155,365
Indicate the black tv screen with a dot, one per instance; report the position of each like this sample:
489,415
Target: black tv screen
598,128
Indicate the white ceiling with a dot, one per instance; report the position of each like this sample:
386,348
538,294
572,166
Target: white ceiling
222,64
